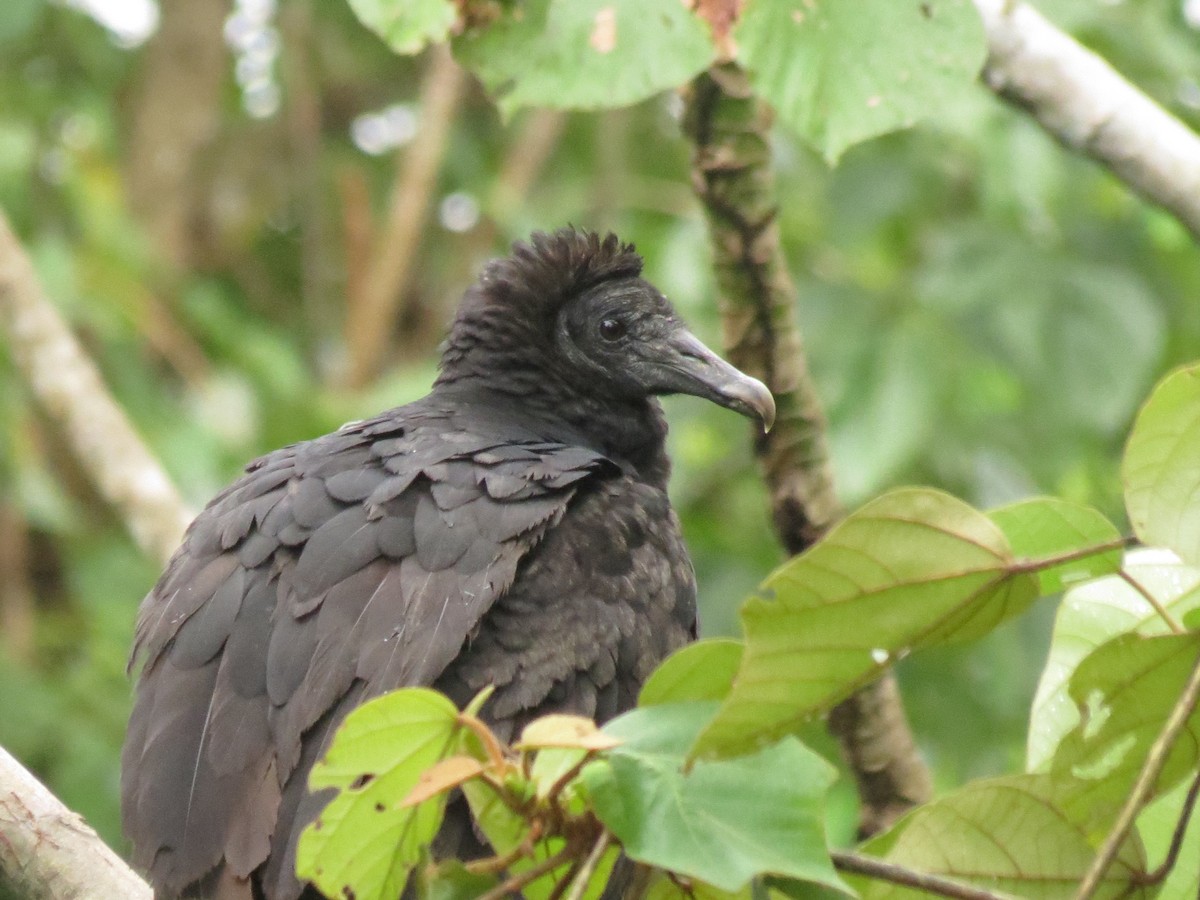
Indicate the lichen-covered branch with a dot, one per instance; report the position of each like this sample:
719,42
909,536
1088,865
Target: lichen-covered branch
48,852
1086,105
65,381
734,179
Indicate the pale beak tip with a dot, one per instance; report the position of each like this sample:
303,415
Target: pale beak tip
752,397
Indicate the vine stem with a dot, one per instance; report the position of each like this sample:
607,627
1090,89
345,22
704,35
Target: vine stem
733,176
1140,794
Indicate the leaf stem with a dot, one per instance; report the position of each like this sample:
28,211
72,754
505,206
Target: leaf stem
499,863
584,875
1023,566
514,885
1172,623
1151,770
1185,816
882,870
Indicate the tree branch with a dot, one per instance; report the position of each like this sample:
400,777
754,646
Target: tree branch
66,382
734,179
1087,106
370,315
48,852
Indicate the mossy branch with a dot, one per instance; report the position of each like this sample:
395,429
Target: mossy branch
734,178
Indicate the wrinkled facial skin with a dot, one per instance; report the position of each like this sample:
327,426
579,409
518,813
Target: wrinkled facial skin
625,337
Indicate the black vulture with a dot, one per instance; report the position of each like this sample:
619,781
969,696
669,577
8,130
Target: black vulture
511,528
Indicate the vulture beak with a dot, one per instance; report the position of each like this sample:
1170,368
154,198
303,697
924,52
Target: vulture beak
696,370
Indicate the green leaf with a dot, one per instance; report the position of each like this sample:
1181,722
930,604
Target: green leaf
1157,825
1161,469
1047,527
913,568
663,888
840,73
407,25
570,55
1125,690
700,671
1012,835
710,823
363,843
450,880
1090,615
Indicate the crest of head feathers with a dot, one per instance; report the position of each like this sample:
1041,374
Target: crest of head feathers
510,310
544,272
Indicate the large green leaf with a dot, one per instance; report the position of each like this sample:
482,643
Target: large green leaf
700,671
1125,691
1161,469
1046,526
571,55
407,25
364,844
1090,615
912,568
1014,836
840,73
722,822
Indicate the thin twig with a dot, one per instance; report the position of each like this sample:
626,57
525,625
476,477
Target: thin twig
1172,623
514,884
881,870
1142,788
370,316
496,864
579,885
1181,826
560,886
527,155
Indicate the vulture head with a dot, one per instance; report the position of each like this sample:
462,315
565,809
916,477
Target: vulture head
568,315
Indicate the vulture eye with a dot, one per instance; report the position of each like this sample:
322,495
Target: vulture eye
612,329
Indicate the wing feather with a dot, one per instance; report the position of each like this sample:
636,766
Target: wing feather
335,570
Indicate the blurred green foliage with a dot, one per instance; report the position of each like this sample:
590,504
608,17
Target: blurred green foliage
982,311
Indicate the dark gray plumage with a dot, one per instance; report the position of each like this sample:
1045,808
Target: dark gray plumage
510,528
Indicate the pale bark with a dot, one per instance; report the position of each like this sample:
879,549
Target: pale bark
48,852
67,384
1086,105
